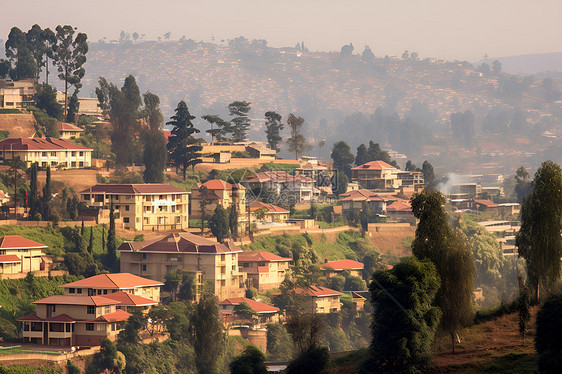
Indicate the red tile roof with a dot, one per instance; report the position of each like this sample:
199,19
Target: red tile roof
486,203
7,259
178,243
256,306
374,165
317,291
257,205
76,300
63,126
361,195
61,318
125,298
260,256
399,206
343,265
263,269
217,184
277,176
30,317
113,281
119,315
40,144
17,242
135,189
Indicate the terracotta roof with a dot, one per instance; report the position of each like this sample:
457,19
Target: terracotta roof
263,269
3,195
125,298
374,165
317,291
257,205
61,318
135,189
180,242
260,256
217,184
399,206
343,264
76,300
30,317
277,176
119,315
486,203
17,242
6,259
63,126
40,144
113,281
256,306
361,195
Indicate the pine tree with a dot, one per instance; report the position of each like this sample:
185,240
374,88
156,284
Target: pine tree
111,241
273,128
47,196
33,201
233,221
103,238
182,147
240,122
219,223
155,151
297,141
362,155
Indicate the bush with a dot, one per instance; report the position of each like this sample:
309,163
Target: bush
548,338
315,360
10,111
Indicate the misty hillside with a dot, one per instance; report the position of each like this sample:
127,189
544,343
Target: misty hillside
539,64
404,103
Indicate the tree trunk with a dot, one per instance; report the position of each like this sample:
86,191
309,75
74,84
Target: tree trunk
453,341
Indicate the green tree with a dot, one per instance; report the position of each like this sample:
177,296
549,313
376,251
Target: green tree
539,240
233,221
342,157
376,153
523,186
435,240
273,128
548,338
111,257
279,344
240,122
108,358
314,360
34,202
339,182
155,148
69,56
306,328
172,281
368,55
404,320
133,326
182,147
428,174
207,334
296,142
18,54
223,130
46,99
362,156
219,223
71,368
523,310
47,196
251,361
72,108
410,166
91,243
40,43
365,216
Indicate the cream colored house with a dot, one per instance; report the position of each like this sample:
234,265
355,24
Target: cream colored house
216,192
107,284
335,268
46,152
321,300
213,263
20,255
264,270
73,321
264,212
89,106
14,94
376,175
140,206
69,131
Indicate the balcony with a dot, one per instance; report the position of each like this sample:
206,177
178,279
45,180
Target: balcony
60,335
33,334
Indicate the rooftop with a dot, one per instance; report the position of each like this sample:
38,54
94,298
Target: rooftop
343,265
76,300
317,291
181,242
113,281
217,184
256,306
39,144
125,298
257,205
361,195
9,259
63,126
260,256
135,189
277,176
374,165
17,242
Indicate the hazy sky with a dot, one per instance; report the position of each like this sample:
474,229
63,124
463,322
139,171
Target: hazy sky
434,28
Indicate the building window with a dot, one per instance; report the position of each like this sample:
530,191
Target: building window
67,327
53,163
144,256
144,268
126,208
44,164
81,164
79,290
53,154
73,164
73,153
89,327
43,154
91,309
81,154
71,290
125,219
178,219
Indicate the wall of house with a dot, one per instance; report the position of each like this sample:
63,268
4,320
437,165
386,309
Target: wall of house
56,158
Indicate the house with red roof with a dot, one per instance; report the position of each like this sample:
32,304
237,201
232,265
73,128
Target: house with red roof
67,320
335,268
376,175
264,270
400,210
69,131
321,300
283,184
131,302
262,313
53,152
108,284
354,200
151,206
19,255
264,212
213,264
219,192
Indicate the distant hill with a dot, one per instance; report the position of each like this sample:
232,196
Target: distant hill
537,64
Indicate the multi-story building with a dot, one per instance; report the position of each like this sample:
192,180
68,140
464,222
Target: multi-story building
376,175
264,270
66,320
310,167
69,131
107,284
212,263
354,200
320,300
215,192
46,152
283,185
140,206
15,94
412,179
263,212
335,268
20,255
262,313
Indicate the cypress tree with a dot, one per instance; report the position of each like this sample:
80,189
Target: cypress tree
219,223
233,220
33,191
91,244
111,242
47,195
103,238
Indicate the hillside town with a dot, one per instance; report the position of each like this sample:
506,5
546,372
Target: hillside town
148,242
